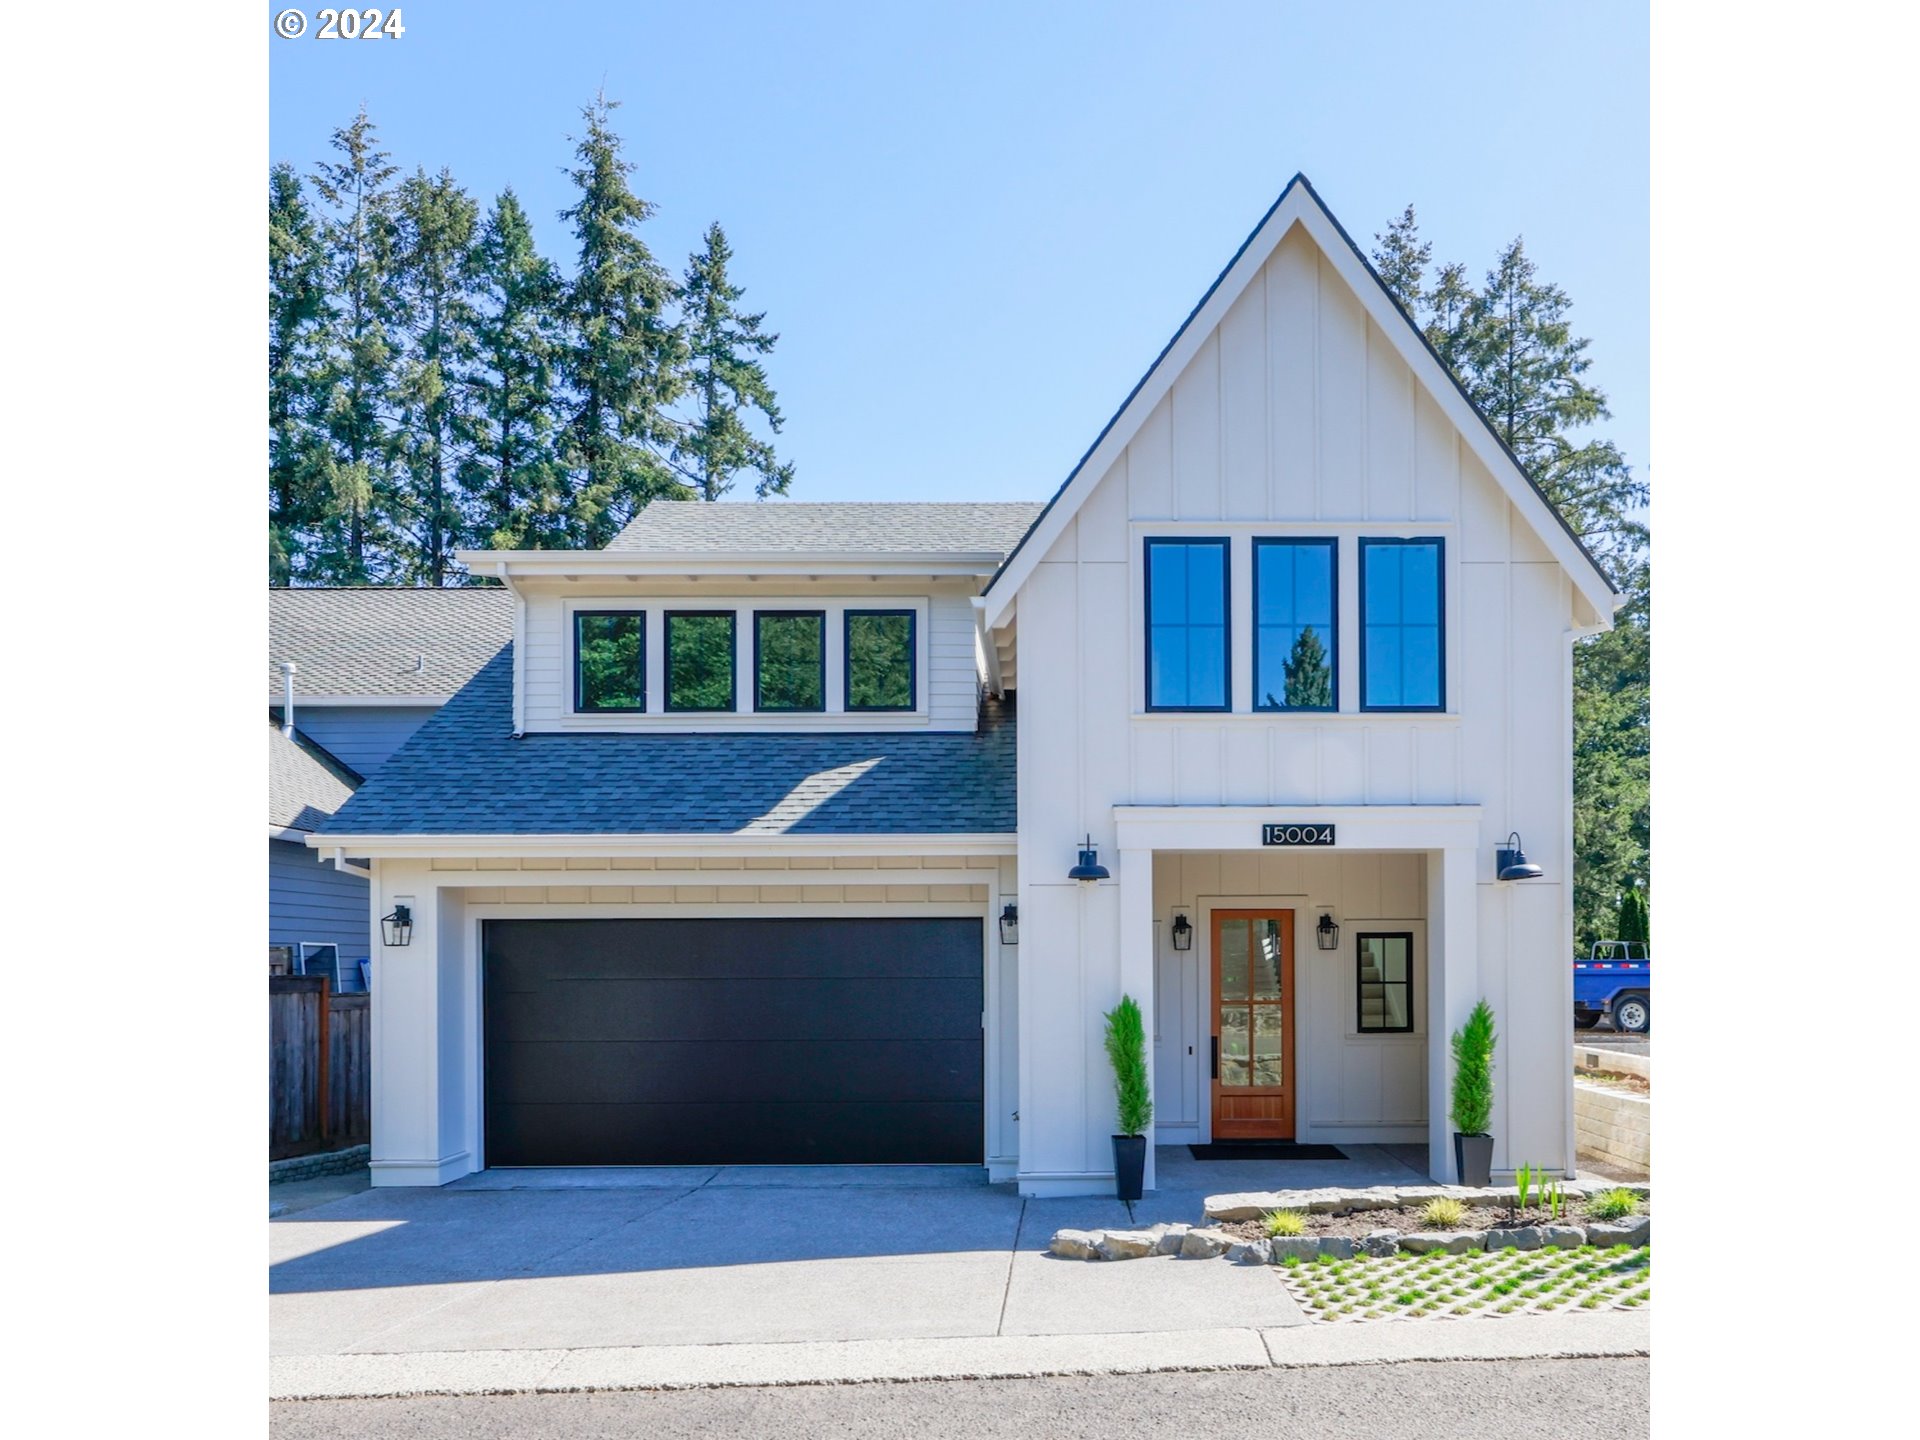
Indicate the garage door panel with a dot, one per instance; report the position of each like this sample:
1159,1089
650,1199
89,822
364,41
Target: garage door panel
752,1041
802,1134
738,1072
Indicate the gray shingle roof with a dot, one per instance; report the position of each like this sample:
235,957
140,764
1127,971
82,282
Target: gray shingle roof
463,773
305,785
384,643
882,527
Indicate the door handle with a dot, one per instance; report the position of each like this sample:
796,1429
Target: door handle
1216,1057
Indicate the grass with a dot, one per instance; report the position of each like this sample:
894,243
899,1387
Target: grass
1285,1222
1443,1214
1613,1205
1505,1282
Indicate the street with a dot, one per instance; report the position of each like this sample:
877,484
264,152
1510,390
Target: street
1597,1399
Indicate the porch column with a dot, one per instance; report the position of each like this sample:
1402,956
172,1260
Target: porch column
1136,956
1453,970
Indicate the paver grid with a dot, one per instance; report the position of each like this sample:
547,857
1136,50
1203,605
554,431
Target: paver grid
1437,1286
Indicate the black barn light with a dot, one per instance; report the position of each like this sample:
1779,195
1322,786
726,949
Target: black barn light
1182,933
397,929
1510,861
1089,871
1010,925
1327,934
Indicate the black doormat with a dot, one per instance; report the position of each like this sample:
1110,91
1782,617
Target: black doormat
1264,1150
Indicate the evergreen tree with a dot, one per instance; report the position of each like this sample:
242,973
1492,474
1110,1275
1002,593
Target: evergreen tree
625,357
1402,258
1612,820
1632,924
296,328
513,479
1309,676
434,225
351,542
725,382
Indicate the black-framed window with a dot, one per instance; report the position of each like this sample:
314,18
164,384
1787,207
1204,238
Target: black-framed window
1189,632
880,659
699,645
789,659
1296,624
609,661
1384,977
1403,647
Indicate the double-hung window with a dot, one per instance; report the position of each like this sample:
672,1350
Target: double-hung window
1402,625
790,660
609,661
1295,624
699,646
1187,604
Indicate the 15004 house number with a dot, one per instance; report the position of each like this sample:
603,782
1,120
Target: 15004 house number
1296,834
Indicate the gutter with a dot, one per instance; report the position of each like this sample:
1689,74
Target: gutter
736,843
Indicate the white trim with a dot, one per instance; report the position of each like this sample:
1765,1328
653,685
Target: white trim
453,847
1298,205
1237,827
645,564
369,702
421,1172
690,879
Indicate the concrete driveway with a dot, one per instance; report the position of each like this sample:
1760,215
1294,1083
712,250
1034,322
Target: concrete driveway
568,1259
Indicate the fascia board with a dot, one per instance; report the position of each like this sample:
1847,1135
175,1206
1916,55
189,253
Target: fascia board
549,563
502,846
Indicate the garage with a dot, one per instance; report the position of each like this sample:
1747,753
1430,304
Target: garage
779,1041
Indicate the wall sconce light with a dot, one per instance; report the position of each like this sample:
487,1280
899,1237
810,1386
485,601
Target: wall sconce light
1510,861
1010,925
397,929
1089,871
1182,933
1327,934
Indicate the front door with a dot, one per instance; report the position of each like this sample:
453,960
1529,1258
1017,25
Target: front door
1253,1025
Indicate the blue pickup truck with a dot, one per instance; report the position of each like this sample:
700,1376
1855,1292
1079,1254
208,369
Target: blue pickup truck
1615,981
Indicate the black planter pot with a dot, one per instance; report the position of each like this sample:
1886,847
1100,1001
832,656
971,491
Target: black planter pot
1473,1158
1129,1165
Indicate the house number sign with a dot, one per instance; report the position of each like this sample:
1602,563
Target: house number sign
1296,834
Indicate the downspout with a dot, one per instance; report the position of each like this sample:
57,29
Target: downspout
340,862
989,652
519,649
287,671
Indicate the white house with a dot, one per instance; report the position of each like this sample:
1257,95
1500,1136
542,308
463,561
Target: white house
739,853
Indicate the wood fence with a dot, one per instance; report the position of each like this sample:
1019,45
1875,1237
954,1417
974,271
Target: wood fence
318,1067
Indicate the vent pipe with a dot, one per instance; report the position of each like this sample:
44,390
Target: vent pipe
288,669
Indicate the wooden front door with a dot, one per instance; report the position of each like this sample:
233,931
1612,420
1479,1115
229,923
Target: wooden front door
1253,1025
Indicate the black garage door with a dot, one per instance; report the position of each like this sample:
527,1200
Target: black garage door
745,1042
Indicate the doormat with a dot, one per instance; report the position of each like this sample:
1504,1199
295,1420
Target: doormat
1265,1150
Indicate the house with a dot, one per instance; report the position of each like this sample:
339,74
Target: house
351,674
754,844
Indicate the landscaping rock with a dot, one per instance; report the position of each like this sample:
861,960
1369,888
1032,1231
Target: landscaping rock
1249,1205
1171,1237
1340,1247
1421,1194
1563,1237
1448,1242
1521,1237
1127,1244
1204,1244
1076,1244
1634,1230
1381,1197
1250,1252
1381,1244
1300,1247
1325,1202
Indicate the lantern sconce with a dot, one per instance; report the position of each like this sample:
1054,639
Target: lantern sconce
1010,925
1182,933
1510,861
1327,933
1089,871
397,929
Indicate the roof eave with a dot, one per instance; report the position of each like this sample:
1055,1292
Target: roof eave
483,846
559,564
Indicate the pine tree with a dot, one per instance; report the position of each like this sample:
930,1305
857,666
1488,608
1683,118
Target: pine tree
434,224
296,327
726,382
1402,258
352,543
512,479
625,357
1612,819
1309,676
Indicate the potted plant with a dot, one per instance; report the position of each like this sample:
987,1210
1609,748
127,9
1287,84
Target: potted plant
1127,1052
1473,1096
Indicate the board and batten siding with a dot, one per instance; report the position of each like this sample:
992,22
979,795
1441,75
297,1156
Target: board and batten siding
307,899
1296,416
362,737
947,667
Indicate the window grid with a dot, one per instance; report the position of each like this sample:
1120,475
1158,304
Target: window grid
1295,609
1403,624
1373,982
1198,646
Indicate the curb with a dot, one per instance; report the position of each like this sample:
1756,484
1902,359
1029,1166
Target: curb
980,1357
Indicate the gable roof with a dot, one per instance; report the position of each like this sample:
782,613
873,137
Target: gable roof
463,773
687,527
305,784
1300,204
383,644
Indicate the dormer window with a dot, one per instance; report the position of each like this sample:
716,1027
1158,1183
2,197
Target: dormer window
880,660
790,660
699,646
609,661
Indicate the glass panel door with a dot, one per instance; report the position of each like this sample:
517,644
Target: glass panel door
1253,994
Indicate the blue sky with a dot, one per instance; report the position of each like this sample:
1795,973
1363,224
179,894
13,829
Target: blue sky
975,225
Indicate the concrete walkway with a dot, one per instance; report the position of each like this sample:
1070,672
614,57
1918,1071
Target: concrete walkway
530,1279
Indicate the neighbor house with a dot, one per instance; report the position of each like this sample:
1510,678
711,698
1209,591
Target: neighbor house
737,852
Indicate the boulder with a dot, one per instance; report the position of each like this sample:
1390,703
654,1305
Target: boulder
1340,1247
1075,1244
1250,1252
1421,1194
1381,1197
1204,1243
1127,1244
1561,1237
1634,1230
1449,1242
1300,1247
1380,1244
1170,1238
1521,1237
1247,1205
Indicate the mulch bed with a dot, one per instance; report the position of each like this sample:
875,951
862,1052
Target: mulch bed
1406,1219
